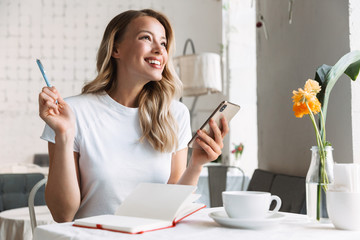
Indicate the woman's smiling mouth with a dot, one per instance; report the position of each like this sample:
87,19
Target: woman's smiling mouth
153,62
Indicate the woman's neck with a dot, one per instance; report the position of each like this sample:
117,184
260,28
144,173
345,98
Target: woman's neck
126,92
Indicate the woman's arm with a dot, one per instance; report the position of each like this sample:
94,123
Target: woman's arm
211,149
62,191
178,165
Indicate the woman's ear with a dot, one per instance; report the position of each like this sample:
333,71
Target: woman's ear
116,52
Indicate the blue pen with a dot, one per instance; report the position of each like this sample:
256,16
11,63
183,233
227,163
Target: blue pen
43,73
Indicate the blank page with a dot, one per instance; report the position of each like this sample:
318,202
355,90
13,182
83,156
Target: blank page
157,201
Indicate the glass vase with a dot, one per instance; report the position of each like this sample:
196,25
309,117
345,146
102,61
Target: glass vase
317,183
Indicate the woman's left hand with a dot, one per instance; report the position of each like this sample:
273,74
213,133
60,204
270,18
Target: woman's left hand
210,147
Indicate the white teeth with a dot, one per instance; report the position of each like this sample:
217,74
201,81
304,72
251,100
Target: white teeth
154,62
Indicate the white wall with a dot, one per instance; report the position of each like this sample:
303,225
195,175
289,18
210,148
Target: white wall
354,23
319,34
65,35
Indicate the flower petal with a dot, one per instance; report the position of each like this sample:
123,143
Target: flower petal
312,86
300,110
298,96
315,106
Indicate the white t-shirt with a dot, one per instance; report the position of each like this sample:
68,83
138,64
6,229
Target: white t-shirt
112,160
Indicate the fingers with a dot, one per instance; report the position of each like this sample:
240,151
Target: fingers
52,92
49,93
212,154
217,133
213,146
47,105
61,100
225,127
47,102
209,145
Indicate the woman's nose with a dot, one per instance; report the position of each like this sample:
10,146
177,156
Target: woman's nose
158,48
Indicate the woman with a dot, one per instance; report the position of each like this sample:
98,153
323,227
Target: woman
125,127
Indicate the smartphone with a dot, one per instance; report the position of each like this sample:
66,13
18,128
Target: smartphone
226,109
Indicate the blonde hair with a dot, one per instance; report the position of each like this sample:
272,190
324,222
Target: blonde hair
158,125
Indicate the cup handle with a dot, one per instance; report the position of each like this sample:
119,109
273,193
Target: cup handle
278,203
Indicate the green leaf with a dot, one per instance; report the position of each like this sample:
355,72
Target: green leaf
321,73
353,70
348,64
320,77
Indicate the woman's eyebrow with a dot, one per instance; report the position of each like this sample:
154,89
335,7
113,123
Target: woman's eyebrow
151,33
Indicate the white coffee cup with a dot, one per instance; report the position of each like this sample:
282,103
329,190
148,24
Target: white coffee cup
249,204
344,209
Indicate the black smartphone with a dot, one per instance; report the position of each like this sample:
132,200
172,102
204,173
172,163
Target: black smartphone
226,109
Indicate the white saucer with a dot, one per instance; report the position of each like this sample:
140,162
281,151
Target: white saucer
222,218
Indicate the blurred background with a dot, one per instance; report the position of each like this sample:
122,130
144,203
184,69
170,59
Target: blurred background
267,50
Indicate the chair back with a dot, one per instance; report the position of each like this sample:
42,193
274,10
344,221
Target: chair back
261,181
217,184
15,189
291,189
31,202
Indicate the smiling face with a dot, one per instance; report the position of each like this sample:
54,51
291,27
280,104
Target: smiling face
141,55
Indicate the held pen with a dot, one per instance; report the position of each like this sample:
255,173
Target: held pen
43,74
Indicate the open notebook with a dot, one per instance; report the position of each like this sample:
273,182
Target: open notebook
151,206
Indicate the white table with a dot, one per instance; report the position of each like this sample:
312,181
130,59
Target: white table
200,226
23,168
15,223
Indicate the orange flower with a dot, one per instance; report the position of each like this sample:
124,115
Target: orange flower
300,109
301,97
312,86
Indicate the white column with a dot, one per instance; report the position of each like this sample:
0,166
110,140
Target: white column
354,22
241,45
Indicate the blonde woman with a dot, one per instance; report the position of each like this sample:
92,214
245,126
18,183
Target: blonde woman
126,127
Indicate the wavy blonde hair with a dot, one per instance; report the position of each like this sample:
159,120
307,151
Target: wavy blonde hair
158,125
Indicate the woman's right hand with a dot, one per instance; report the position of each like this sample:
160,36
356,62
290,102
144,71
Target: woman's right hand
58,116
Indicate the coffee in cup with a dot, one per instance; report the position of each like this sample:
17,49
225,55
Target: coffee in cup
249,204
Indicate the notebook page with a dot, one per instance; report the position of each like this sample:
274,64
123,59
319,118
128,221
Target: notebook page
157,201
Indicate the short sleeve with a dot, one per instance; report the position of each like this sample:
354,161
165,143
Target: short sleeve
48,134
184,129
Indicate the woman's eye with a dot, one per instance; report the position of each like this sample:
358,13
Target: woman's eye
145,37
164,44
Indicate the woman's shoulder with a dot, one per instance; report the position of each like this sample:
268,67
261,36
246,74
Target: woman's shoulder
180,111
178,107
79,98
84,102
86,98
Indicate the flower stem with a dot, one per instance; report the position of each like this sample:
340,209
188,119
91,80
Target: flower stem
318,204
323,179
323,132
